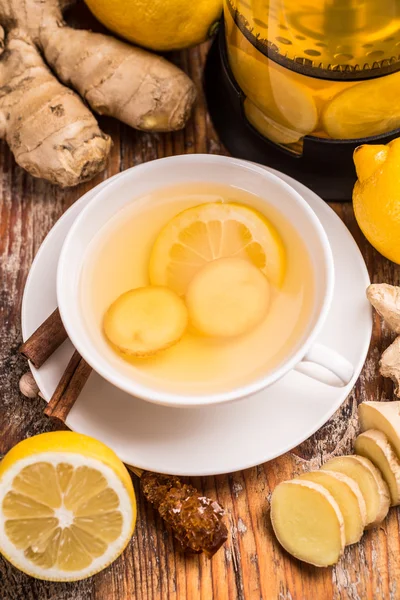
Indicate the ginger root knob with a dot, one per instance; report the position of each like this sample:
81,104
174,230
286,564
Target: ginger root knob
385,299
389,365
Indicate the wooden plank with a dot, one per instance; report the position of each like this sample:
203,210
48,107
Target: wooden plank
252,565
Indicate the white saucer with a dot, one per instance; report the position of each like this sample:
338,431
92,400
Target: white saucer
216,439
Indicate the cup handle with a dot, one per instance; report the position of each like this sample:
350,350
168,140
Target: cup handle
329,359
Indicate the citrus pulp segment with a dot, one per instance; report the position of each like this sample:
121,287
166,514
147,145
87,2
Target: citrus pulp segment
214,230
67,506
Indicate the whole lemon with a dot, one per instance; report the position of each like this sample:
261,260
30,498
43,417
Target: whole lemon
376,196
159,24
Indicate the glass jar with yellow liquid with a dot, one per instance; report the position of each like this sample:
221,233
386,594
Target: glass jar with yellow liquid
315,67
316,70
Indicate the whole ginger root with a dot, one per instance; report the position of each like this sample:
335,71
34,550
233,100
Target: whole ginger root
385,299
50,130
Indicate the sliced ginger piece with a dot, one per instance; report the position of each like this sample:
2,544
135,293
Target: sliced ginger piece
269,128
383,416
228,297
145,321
374,444
348,497
282,98
369,479
307,522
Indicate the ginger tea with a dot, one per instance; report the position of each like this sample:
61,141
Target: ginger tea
156,238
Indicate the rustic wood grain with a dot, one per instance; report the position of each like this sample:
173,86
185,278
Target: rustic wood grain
252,565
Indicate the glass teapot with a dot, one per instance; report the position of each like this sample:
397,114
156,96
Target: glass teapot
321,68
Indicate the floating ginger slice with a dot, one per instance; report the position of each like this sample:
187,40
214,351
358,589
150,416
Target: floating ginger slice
369,479
307,522
373,444
145,321
348,497
228,297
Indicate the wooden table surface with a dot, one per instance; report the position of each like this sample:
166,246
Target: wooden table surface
251,565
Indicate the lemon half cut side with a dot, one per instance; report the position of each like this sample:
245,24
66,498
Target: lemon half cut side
67,506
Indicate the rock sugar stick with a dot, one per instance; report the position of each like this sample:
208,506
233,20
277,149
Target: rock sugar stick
48,127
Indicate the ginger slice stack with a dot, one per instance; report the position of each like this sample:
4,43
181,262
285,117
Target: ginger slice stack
307,522
349,493
361,487
349,498
374,445
370,481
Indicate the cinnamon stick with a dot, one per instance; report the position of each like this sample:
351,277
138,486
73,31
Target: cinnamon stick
45,340
68,389
195,520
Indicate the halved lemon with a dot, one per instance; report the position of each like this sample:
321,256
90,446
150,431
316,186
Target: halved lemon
214,230
67,506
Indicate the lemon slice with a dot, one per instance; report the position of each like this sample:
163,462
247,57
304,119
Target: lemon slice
367,108
214,230
67,506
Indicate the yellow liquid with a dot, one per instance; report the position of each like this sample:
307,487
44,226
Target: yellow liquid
324,36
118,259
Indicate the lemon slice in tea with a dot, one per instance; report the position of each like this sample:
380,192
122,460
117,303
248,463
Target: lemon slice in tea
67,506
214,230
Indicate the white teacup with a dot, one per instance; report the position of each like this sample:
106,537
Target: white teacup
147,178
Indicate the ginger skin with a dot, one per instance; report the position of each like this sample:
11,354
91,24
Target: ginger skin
389,365
49,129
385,299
